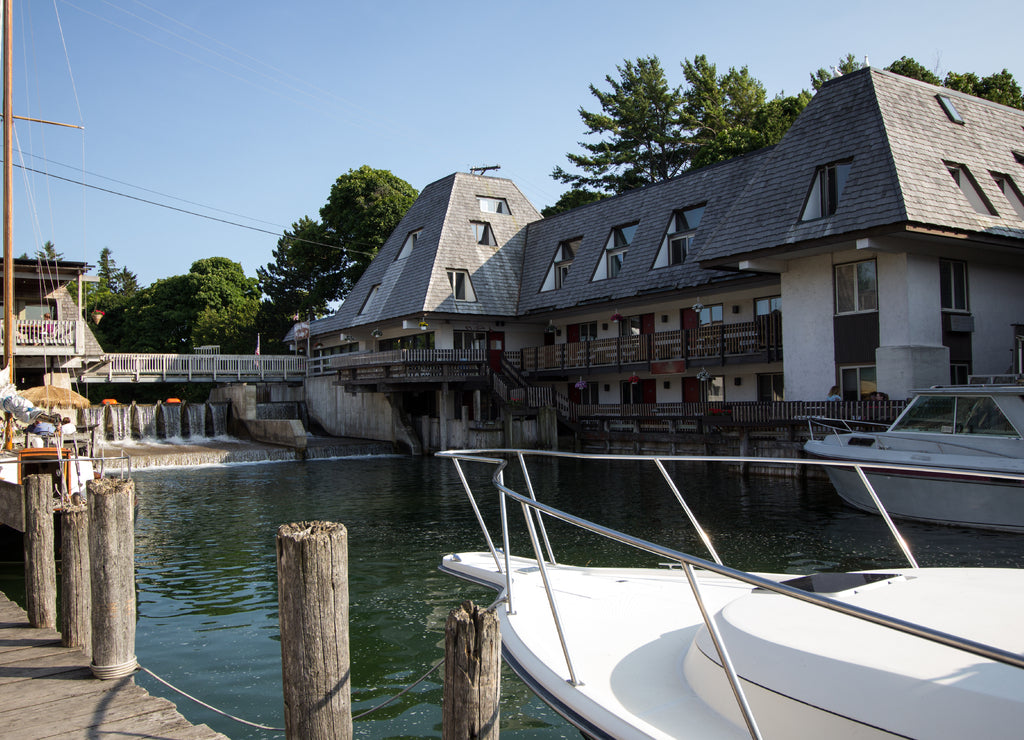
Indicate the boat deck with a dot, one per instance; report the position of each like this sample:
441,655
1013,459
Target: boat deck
48,691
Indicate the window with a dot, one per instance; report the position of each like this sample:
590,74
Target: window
962,177
615,252
369,299
631,392
947,105
589,395
492,205
409,245
958,373
826,189
768,306
1009,189
857,383
462,288
953,288
588,331
710,314
713,389
469,340
630,326
856,287
956,415
565,254
482,233
679,235
770,387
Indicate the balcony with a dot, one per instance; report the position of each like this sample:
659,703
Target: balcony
48,337
403,366
714,344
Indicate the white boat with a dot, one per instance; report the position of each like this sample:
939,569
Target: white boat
704,651
943,431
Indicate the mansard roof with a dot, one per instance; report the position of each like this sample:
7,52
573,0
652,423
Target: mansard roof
418,283
652,208
899,142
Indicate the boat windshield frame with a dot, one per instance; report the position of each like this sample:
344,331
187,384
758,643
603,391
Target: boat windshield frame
956,414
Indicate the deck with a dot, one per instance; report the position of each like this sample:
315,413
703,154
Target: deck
48,691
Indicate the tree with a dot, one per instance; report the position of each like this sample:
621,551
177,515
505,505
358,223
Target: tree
846,65
362,210
48,252
714,104
909,67
571,199
644,137
999,88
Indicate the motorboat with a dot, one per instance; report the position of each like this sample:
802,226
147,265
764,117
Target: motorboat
942,431
691,648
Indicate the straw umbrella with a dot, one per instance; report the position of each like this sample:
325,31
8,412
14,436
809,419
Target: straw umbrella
50,396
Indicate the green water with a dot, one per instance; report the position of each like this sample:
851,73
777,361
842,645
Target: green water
206,568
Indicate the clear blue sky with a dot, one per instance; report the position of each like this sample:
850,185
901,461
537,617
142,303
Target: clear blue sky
248,111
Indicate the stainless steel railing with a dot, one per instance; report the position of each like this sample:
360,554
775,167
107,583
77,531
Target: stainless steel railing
534,511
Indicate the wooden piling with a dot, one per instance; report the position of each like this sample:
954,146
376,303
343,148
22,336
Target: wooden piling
472,674
40,567
312,584
76,593
112,576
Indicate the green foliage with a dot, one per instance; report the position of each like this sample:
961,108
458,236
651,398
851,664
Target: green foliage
305,276
846,65
714,104
999,88
644,138
571,199
909,67
362,210
48,252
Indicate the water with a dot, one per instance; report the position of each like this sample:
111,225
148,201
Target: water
206,568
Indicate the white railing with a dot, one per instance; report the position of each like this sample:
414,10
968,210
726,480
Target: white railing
44,332
141,367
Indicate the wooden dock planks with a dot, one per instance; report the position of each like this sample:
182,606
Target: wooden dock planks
47,691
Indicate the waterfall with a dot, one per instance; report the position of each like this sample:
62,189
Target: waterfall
93,418
193,420
118,422
217,419
144,421
168,420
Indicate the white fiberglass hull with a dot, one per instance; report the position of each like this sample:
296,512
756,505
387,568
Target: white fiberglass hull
646,668
940,494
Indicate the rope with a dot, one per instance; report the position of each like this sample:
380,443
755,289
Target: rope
211,708
404,691
107,672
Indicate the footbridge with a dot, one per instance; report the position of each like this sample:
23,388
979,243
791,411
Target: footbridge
193,368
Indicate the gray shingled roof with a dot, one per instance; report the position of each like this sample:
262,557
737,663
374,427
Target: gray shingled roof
899,139
419,284
653,206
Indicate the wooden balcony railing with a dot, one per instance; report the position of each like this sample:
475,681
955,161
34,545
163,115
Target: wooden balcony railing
715,342
48,336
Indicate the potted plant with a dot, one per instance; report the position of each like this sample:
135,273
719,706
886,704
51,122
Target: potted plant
580,384
634,379
97,315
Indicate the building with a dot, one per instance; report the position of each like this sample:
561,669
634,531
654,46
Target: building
52,340
878,246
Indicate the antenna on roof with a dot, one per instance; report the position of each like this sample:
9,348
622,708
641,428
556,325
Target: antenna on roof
483,170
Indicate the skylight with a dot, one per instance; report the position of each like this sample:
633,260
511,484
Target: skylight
947,105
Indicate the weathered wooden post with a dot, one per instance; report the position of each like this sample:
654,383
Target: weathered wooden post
112,576
40,567
472,674
312,593
76,593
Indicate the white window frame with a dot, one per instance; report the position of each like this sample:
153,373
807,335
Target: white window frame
953,294
493,205
369,299
409,244
483,234
841,273
461,285
679,236
615,251
1009,190
969,187
826,190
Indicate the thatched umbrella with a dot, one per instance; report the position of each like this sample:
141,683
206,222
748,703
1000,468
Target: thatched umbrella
49,396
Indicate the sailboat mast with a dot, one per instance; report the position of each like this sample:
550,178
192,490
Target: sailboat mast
8,215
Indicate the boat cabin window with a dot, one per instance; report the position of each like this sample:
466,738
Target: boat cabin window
955,415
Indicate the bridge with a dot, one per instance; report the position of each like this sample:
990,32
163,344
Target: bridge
193,368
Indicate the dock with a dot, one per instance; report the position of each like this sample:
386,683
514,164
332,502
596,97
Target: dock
48,691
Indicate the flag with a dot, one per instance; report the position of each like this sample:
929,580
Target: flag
257,343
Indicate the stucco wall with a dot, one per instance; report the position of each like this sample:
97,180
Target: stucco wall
809,361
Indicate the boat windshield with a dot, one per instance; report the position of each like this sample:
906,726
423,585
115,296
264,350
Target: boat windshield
955,415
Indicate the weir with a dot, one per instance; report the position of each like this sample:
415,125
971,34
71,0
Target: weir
168,421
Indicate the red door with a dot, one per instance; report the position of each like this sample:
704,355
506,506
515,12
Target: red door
647,323
691,319
691,390
650,390
495,348
572,333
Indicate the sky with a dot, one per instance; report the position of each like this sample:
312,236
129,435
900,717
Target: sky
211,126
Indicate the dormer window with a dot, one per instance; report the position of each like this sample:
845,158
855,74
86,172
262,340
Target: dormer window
950,110
493,205
482,233
369,299
615,252
826,190
965,181
678,237
560,264
1009,188
462,288
409,245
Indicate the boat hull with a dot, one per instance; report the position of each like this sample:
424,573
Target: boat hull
939,494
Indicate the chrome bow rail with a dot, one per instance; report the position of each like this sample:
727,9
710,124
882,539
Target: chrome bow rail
534,511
